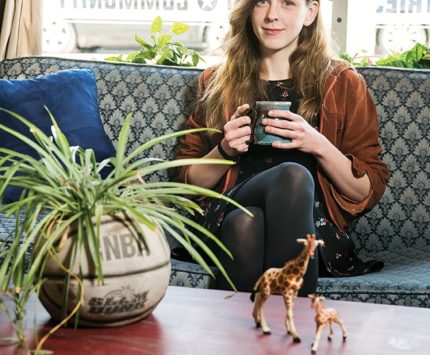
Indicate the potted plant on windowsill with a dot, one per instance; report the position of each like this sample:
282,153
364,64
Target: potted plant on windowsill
75,224
417,57
161,49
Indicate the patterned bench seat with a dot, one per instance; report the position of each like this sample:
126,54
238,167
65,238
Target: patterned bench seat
396,231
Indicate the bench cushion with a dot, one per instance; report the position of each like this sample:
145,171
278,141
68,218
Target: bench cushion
405,280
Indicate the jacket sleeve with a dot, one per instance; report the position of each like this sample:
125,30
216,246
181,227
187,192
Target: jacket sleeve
194,145
358,139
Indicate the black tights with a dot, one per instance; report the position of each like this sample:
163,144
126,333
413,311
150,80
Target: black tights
281,200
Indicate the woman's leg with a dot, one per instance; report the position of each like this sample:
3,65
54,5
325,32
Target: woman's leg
285,194
244,237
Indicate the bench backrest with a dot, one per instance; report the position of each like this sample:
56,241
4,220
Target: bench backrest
161,99
401,219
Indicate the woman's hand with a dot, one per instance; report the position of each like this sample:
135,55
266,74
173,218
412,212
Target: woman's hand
237,132
307,139
303,136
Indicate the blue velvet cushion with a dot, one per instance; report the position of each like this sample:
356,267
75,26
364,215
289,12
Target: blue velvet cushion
71,96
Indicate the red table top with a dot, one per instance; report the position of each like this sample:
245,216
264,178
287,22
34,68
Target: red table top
201,321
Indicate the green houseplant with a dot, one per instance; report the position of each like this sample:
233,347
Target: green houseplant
161,49
63,190
417,57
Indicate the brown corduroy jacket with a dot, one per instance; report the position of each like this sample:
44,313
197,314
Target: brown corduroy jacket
348,119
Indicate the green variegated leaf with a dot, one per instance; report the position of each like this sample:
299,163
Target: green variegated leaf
196,58
179,28
157,140
116,58
140,40
157,25
163,40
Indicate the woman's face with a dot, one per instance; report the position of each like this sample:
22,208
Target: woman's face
277,23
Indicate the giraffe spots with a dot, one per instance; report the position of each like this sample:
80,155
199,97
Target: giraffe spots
273,284
295,271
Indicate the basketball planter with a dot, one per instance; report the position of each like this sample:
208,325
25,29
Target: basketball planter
135,277
94,226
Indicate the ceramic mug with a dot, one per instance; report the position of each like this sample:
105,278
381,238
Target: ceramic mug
260,111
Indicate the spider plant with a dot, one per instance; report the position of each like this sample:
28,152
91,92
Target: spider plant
64,187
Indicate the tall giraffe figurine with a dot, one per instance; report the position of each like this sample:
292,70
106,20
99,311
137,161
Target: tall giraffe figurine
286,281
322,317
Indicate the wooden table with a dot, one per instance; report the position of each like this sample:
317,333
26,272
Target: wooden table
199,321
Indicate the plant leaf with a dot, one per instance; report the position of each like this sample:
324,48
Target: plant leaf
164,40
163,138
140,40
179,27
157,25
122,145
115,58
195,58
166,55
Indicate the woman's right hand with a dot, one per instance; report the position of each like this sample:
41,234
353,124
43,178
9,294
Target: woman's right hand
237,132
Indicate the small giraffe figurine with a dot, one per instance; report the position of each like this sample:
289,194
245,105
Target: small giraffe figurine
286,281
324,316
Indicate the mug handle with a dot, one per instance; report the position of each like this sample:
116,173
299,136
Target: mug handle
252,113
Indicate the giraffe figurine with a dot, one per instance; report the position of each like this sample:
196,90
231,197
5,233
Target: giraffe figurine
286,281
322,317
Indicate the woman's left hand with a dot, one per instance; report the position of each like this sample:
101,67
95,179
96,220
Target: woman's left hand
303,136
307,139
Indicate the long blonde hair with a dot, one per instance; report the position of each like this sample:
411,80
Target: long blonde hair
237,80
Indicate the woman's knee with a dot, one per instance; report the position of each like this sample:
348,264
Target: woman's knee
295,175
238,218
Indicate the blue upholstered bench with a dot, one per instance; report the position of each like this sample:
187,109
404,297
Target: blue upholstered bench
396,231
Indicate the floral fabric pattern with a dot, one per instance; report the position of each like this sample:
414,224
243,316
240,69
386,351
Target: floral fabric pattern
159,98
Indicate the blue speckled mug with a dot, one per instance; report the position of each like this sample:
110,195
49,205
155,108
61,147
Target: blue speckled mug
258,113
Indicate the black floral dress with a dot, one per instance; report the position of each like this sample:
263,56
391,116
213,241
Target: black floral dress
339,255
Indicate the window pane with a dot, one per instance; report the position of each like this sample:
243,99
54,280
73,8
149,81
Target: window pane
109,26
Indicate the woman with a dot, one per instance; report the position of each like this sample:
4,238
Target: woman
319,182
